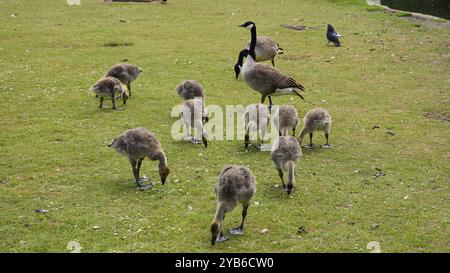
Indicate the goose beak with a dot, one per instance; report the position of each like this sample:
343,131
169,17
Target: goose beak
295,91
243,25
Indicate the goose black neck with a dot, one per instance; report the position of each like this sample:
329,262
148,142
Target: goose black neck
242,54
253,41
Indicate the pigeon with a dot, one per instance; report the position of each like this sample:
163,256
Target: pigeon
333,36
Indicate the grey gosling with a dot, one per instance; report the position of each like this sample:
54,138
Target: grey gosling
190,89
109,87
137,144
316,119
126,73
256,118
195,116
286,153
286,118
236,184
266,80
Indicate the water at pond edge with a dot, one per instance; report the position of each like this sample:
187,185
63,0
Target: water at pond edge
439,8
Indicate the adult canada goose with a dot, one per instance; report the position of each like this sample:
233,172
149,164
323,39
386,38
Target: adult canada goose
266,49
109,87
126,73
316,119
236,184
266,80
286,118
137,144
286,153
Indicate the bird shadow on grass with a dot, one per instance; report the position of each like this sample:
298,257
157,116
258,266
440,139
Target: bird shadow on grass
317,149
117,187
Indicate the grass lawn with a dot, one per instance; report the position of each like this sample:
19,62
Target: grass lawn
389,72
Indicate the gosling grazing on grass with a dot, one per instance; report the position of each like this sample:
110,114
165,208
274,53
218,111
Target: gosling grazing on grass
126,73
266,49
333,36
109,87
190,89
286,118
236,184
138,144
266,80
316,119
257,119
194,116
286,153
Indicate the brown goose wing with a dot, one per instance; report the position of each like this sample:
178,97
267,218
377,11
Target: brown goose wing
272,77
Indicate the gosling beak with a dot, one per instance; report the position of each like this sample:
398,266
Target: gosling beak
295,91
205,142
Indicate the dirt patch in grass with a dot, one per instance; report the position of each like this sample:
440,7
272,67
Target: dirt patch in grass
115,44
437,115
297,27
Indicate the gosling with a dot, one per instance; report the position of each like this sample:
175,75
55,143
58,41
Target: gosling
110,87
126,73
195,116
285,118
190,89
286,153
137,144
316,119
257,118
236,184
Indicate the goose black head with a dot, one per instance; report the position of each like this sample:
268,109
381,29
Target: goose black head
238,65
248,24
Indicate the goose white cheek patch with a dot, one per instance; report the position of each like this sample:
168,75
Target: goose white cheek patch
73,2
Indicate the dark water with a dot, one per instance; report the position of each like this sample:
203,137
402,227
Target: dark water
440,8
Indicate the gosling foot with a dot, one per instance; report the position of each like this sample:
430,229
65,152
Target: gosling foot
145,187
196,141
236,231
143,179
222,238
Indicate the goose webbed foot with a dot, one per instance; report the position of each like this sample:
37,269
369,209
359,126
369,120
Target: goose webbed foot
143,179
236,231
221,238
309,146
326,146
118,109
145,187
196,141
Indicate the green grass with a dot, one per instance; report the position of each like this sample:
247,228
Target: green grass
53,141
403,14
375,8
